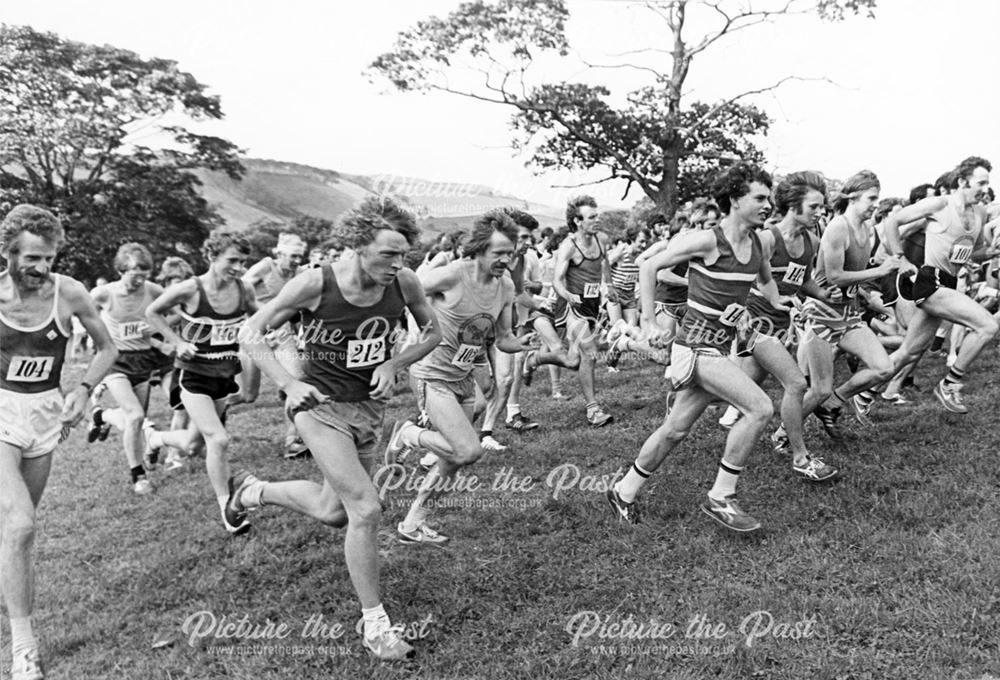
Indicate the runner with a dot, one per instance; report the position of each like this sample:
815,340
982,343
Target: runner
267,277
472,298
841,267
212,307
350,309
36,308
789,247
724,262
954,237
580,269
123,305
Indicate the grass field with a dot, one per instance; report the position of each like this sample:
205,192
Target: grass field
890,573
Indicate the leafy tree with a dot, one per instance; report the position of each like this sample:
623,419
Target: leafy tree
484,51
613,223
72,121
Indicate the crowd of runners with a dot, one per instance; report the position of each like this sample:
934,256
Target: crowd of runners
763,278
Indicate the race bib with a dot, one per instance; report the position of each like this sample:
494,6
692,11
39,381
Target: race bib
960,253
795,274
225,334
361,353
591,290
29,369
733,315
134,330
466,355
632,278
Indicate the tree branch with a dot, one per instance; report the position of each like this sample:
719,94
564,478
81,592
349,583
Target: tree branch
739,22
612,176
656,73
691,129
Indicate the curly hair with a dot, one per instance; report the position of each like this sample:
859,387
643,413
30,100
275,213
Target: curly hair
885,207
968,165
33,220
521,218
734,182
919,192
792,190
856,184
133,255
174,268
573,209
220,239
359,226
483,229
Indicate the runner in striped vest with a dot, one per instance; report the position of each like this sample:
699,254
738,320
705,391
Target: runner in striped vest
790,247
724,262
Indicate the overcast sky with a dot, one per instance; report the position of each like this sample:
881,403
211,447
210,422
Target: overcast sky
915,87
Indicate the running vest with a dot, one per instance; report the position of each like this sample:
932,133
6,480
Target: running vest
126,318
855,260
584,279
625,274
717,295
345,343
669,293
949,243
31,359
789,274
271,283
214,335
466,314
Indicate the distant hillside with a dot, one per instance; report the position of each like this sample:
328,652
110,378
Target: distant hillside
277,190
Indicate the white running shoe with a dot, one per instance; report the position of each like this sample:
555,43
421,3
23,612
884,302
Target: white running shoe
730,417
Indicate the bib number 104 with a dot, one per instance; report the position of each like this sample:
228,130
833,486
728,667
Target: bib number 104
29,369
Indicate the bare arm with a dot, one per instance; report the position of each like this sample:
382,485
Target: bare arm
82,307
156,314
561,267
257,272
438,280
505,340
834,245
919,211
681,249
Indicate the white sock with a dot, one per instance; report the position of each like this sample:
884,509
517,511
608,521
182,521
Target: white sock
628,487
725,481
429,459
376,620
222,501
21,638
410,435
512,410
253,495
155,439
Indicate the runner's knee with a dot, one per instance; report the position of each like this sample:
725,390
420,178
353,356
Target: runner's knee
18,527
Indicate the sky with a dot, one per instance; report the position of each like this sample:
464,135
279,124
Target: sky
911,92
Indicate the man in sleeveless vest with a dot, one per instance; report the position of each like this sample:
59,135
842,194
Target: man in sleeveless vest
790,247
123,305
842,265
954,238
213,308
36,308
472,299
581,269
268,277
723,263
350,312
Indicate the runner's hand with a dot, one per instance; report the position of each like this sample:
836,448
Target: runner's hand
186,350
73,409
383,380
302,397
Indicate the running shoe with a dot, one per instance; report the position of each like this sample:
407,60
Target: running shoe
862,408
421,534
234,516
815,470
490,444
597,417
397,450
295,448
98,428
728,513
389,645
628,512
143,487
27,666
780,440
829,418
730,417
895,399
950,397
521,423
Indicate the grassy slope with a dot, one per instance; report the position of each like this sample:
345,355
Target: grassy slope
896,562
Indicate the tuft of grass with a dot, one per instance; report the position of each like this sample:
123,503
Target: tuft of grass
894,565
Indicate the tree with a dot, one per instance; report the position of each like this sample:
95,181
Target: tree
652,141
72,119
